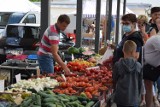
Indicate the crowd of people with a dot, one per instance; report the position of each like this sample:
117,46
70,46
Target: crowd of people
136,65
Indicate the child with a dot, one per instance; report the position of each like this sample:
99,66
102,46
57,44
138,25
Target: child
127,77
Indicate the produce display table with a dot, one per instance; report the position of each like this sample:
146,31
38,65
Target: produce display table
22,70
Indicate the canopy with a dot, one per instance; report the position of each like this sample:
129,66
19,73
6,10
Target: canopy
17,6
90,8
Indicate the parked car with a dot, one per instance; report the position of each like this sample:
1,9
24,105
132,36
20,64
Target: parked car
27,37
18,17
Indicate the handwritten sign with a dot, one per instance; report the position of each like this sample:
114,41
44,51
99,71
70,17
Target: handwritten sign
18,77
1,85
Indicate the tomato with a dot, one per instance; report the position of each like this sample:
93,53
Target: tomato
88,94
74,68
69,66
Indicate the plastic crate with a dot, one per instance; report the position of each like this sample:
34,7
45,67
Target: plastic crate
32,57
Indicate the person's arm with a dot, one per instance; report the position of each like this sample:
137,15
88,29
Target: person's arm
54,50
153,32
143,32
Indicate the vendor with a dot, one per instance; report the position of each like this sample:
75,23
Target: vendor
48,50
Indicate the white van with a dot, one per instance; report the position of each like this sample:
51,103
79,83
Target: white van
18,17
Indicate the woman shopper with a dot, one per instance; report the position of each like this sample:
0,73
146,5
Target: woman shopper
146,31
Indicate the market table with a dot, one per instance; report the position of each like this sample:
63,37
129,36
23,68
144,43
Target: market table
12,69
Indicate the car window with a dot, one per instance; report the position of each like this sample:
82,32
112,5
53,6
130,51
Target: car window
4,17
12,31
23,32
31,18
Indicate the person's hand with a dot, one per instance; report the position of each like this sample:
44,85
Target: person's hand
67,71
107,61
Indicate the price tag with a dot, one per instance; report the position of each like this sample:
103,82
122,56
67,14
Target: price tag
63,77
72,57
18,77
1,85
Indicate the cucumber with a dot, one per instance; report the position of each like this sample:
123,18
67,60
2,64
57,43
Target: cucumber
38,100
53,99
63,104
65,100
73,98
90,104
80,98
49,105
26,103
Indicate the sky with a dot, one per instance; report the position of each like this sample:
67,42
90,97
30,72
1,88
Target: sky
153,2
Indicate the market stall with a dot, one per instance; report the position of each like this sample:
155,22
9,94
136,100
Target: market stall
89,85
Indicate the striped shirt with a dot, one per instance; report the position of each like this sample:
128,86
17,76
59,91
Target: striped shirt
50,37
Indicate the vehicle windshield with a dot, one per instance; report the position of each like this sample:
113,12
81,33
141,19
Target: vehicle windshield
4,18
10,18
15,18
23,32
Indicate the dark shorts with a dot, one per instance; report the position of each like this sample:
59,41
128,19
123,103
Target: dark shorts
151,73
125,106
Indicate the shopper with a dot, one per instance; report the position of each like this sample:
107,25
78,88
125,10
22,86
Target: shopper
127,77
145,27
129,27
48,50
151,69
155,13
146,31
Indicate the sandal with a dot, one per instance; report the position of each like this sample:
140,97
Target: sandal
143,103
156,103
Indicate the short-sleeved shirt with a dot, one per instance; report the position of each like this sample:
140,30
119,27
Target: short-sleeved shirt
50,37
152,51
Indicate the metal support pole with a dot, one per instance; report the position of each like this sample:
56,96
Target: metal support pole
117,21
124,11
45,15
109,20
97,30
106,23
79,23
124,7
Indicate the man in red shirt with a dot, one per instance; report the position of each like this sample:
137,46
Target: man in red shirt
48,50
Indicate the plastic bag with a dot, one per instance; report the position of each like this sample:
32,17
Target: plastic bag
107,55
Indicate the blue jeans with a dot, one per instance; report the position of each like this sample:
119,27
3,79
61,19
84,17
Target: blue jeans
46,63
125,106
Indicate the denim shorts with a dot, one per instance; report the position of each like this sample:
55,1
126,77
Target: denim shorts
46,63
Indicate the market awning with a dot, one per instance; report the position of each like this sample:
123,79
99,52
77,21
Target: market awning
17,6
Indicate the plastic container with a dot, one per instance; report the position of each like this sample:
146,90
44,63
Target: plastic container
32,57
